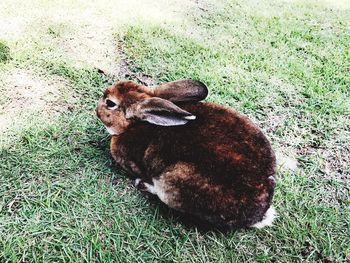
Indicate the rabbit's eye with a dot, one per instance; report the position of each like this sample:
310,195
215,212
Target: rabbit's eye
110,104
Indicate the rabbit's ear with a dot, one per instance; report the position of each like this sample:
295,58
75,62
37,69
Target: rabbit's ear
160,112
182,90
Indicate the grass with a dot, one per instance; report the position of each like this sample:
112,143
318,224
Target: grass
284,63
4,52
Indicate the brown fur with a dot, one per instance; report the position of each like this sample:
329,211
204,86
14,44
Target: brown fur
219,167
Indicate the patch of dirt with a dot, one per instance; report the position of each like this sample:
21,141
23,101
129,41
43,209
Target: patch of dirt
82,31
337,162
337,4
126,73
309,249
287,162
30,94
334,159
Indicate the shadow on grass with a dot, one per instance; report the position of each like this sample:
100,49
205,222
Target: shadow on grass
4,52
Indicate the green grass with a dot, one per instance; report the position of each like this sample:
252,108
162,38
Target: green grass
285,64
4,52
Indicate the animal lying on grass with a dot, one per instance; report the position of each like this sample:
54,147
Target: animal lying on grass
202,159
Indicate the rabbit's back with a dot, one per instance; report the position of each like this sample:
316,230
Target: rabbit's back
224,144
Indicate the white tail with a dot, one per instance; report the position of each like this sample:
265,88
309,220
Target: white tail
268,218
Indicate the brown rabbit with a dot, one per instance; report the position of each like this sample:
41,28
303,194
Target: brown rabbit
202,159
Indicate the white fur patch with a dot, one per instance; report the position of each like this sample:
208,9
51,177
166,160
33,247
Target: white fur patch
269,216
150,188
156,189
137,181
111,131
191,117
159,188
272,178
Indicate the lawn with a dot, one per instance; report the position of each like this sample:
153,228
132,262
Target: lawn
285,64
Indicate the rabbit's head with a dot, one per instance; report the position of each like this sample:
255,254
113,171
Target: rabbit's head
127,102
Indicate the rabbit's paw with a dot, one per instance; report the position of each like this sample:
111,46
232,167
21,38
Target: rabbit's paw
139,184
143,186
